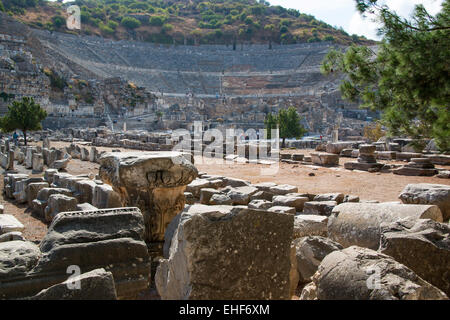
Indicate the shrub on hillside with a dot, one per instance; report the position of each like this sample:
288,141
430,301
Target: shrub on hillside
130,22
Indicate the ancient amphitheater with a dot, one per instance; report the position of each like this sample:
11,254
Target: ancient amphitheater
212,82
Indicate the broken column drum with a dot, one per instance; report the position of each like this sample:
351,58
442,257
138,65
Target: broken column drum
152,181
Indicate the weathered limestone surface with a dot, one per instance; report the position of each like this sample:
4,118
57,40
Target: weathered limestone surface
359,223
85,207
325,159
12,236
8,223
38,205
61,164
260,204
97,284
241,195
48,175
337,147
338,197
310,225
111,239
283,189
20,193
58,203
290,201
224,252
423,246
197,185
33,189
206,194
220,199
105,197
38,162
321,208
362,274
282,209
152,181
309,252
16,259
10,181
426,193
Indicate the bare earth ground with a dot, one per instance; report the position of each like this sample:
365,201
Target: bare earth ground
368,186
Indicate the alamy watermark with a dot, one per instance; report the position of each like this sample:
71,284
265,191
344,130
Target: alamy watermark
73,22
72,282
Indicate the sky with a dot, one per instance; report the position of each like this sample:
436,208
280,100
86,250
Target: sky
343,13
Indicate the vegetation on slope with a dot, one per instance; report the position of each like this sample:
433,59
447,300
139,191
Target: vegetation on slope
184,22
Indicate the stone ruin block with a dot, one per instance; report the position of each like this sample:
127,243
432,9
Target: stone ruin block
309,253
260,204
61,164
422,245
38,162
282,209
33,189
48,175
39,204
84,190
97,284
386,155
439,159
111,239
20,193
367,160
93,155
12,236
337,147
9,182
84,154
29,157
417,167
320,208
8,223
407,156
310,225
290,201
298,156
427,193
338,197
154,182
283,189
105,197
58,203
346,153
349,275
86,207
325,159
241,195
4,160
359,223
224,252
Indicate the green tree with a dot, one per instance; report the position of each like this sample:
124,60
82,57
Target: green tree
288,121
407,79
130,22
58,21
157,20
2,8
25,115
271,123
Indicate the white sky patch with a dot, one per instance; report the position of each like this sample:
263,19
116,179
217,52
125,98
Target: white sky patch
343,13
